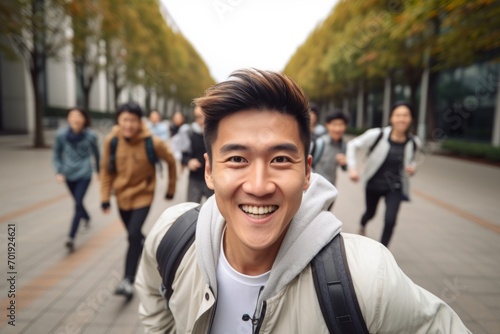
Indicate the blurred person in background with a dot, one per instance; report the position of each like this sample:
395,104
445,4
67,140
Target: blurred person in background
177,135
128,170
329,149
317,129
157,126
390,162
194,160
74,145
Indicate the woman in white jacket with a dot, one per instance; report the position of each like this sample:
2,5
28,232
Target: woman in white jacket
390,162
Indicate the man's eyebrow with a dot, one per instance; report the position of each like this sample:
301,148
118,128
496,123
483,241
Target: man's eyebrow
287,147
233,147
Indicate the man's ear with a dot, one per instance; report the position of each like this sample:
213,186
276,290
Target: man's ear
308,172
208,173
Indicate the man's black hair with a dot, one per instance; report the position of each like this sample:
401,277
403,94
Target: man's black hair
131,107
336,114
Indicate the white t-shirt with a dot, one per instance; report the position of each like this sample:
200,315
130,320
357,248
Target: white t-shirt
237,295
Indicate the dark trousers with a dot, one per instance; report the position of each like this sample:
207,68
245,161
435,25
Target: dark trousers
392,202
197,189
133,221
78,190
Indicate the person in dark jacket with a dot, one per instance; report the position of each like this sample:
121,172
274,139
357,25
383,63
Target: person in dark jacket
74,145
194,160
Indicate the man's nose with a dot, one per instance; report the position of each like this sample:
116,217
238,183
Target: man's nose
258,182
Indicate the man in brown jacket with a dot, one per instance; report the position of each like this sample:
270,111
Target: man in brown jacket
128,171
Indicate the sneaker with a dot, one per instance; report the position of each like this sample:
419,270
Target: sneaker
70,245
362,231
125,288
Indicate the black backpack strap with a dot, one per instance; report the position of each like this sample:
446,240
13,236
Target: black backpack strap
112,155
375,142
150,150
174,245
335,291
319,146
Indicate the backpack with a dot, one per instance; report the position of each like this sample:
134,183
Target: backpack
318,145
372,147
150,152
332,279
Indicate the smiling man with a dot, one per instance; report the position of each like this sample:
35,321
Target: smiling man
249,269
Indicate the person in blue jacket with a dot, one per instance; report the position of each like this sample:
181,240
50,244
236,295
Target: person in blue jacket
73,148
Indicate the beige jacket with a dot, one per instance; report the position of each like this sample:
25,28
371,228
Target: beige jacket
135,180
390,302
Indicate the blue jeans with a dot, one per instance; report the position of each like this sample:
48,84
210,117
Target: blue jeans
78,190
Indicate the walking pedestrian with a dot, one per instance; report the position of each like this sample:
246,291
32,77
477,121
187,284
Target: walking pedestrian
74,145
391,161
329,149
178,130
194,160
157,126
128,170
317,129
249,268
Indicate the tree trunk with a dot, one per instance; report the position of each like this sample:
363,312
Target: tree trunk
360,106
387,100
39,136
36,71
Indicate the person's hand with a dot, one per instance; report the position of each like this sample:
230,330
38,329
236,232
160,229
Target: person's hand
410,170
341,159
60,178
193,164
105,207
353,175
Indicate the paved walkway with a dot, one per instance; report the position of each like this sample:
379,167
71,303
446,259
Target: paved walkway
447,240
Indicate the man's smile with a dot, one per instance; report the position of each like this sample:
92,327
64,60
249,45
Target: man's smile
258,212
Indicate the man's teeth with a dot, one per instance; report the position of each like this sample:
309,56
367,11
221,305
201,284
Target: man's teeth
259,210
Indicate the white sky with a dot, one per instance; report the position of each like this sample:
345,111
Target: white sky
232,34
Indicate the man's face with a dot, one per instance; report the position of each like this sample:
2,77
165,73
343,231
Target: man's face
178,119
199,117
258,174
154,117
336,128
129,124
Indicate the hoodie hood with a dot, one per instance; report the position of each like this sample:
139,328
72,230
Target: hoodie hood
143,133
312,227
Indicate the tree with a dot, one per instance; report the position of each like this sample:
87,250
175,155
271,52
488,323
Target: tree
86,18
36,30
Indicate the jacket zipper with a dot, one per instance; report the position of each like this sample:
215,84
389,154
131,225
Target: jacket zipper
261,317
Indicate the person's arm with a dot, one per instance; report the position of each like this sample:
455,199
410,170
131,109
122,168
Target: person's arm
389,300
163,151
411,162
153,311
360,142
105,176
57,159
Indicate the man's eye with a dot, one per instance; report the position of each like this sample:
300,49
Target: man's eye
236,159
281,159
